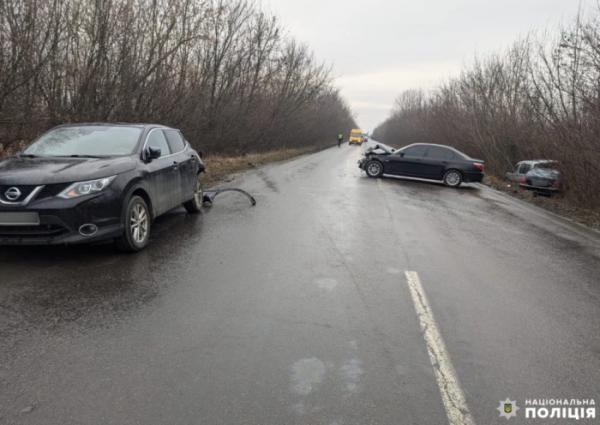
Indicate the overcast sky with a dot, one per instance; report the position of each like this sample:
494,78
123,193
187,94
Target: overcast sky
380,47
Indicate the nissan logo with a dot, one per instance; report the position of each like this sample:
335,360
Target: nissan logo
12,194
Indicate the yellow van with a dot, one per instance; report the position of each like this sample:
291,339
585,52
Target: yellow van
356,136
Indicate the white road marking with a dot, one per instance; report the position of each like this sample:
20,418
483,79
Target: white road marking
445,375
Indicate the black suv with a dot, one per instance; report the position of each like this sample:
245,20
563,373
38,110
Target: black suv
92,182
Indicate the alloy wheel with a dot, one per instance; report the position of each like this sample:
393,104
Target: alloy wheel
138,223
374,168
453,178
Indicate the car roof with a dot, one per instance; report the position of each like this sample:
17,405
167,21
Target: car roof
115,124
537,161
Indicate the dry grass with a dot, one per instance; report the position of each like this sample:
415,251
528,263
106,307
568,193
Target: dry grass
219,167
558,203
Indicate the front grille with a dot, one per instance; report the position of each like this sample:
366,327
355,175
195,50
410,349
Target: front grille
44,230
24,189
48,191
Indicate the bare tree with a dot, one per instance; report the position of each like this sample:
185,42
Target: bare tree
221,70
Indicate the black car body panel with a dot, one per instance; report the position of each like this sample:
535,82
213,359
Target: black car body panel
426,161
165,183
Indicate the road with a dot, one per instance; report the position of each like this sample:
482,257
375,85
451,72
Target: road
300,310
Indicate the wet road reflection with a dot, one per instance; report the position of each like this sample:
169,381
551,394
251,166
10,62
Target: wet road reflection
45,289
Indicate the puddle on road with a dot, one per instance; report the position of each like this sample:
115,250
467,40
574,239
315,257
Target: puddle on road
351,372
392,270
326,283
307,375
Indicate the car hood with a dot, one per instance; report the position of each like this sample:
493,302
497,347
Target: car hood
379,149
46,170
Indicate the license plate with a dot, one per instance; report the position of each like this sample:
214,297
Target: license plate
19,219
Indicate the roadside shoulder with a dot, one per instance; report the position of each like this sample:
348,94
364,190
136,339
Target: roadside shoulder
565,222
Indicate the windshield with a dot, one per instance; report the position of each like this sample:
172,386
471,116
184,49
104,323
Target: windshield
86,141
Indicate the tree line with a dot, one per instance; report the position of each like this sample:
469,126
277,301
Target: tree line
223,71
539,99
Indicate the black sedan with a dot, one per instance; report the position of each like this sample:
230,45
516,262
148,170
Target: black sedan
95,182
423,160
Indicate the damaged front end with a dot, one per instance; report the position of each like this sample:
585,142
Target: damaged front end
378,149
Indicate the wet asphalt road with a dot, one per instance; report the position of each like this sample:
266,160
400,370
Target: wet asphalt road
297,311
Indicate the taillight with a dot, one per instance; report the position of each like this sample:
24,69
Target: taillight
556,184
522,180
478,166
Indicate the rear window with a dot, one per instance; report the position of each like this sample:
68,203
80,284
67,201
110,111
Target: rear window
548,165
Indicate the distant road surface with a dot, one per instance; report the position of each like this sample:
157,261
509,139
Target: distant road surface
337,300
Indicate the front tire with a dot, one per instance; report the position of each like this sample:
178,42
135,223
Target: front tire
137,223
453,178
374,168
194,205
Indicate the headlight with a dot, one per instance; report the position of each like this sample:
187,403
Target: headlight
85,188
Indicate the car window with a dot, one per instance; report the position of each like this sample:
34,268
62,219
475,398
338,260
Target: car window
437,152
524,168
415,151
548,165
157,140
176,143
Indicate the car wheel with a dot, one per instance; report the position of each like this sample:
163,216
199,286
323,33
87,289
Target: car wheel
137,223
453,178
374,168
194,205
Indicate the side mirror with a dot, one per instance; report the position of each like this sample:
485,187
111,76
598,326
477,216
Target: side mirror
152,153
376,147
401,154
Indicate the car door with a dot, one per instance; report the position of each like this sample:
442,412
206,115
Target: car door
163,174
436,162
408,161
186,161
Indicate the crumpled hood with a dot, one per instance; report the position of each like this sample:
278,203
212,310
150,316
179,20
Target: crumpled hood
38,171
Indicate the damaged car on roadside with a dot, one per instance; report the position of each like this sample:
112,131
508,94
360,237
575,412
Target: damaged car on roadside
425,161
83,183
